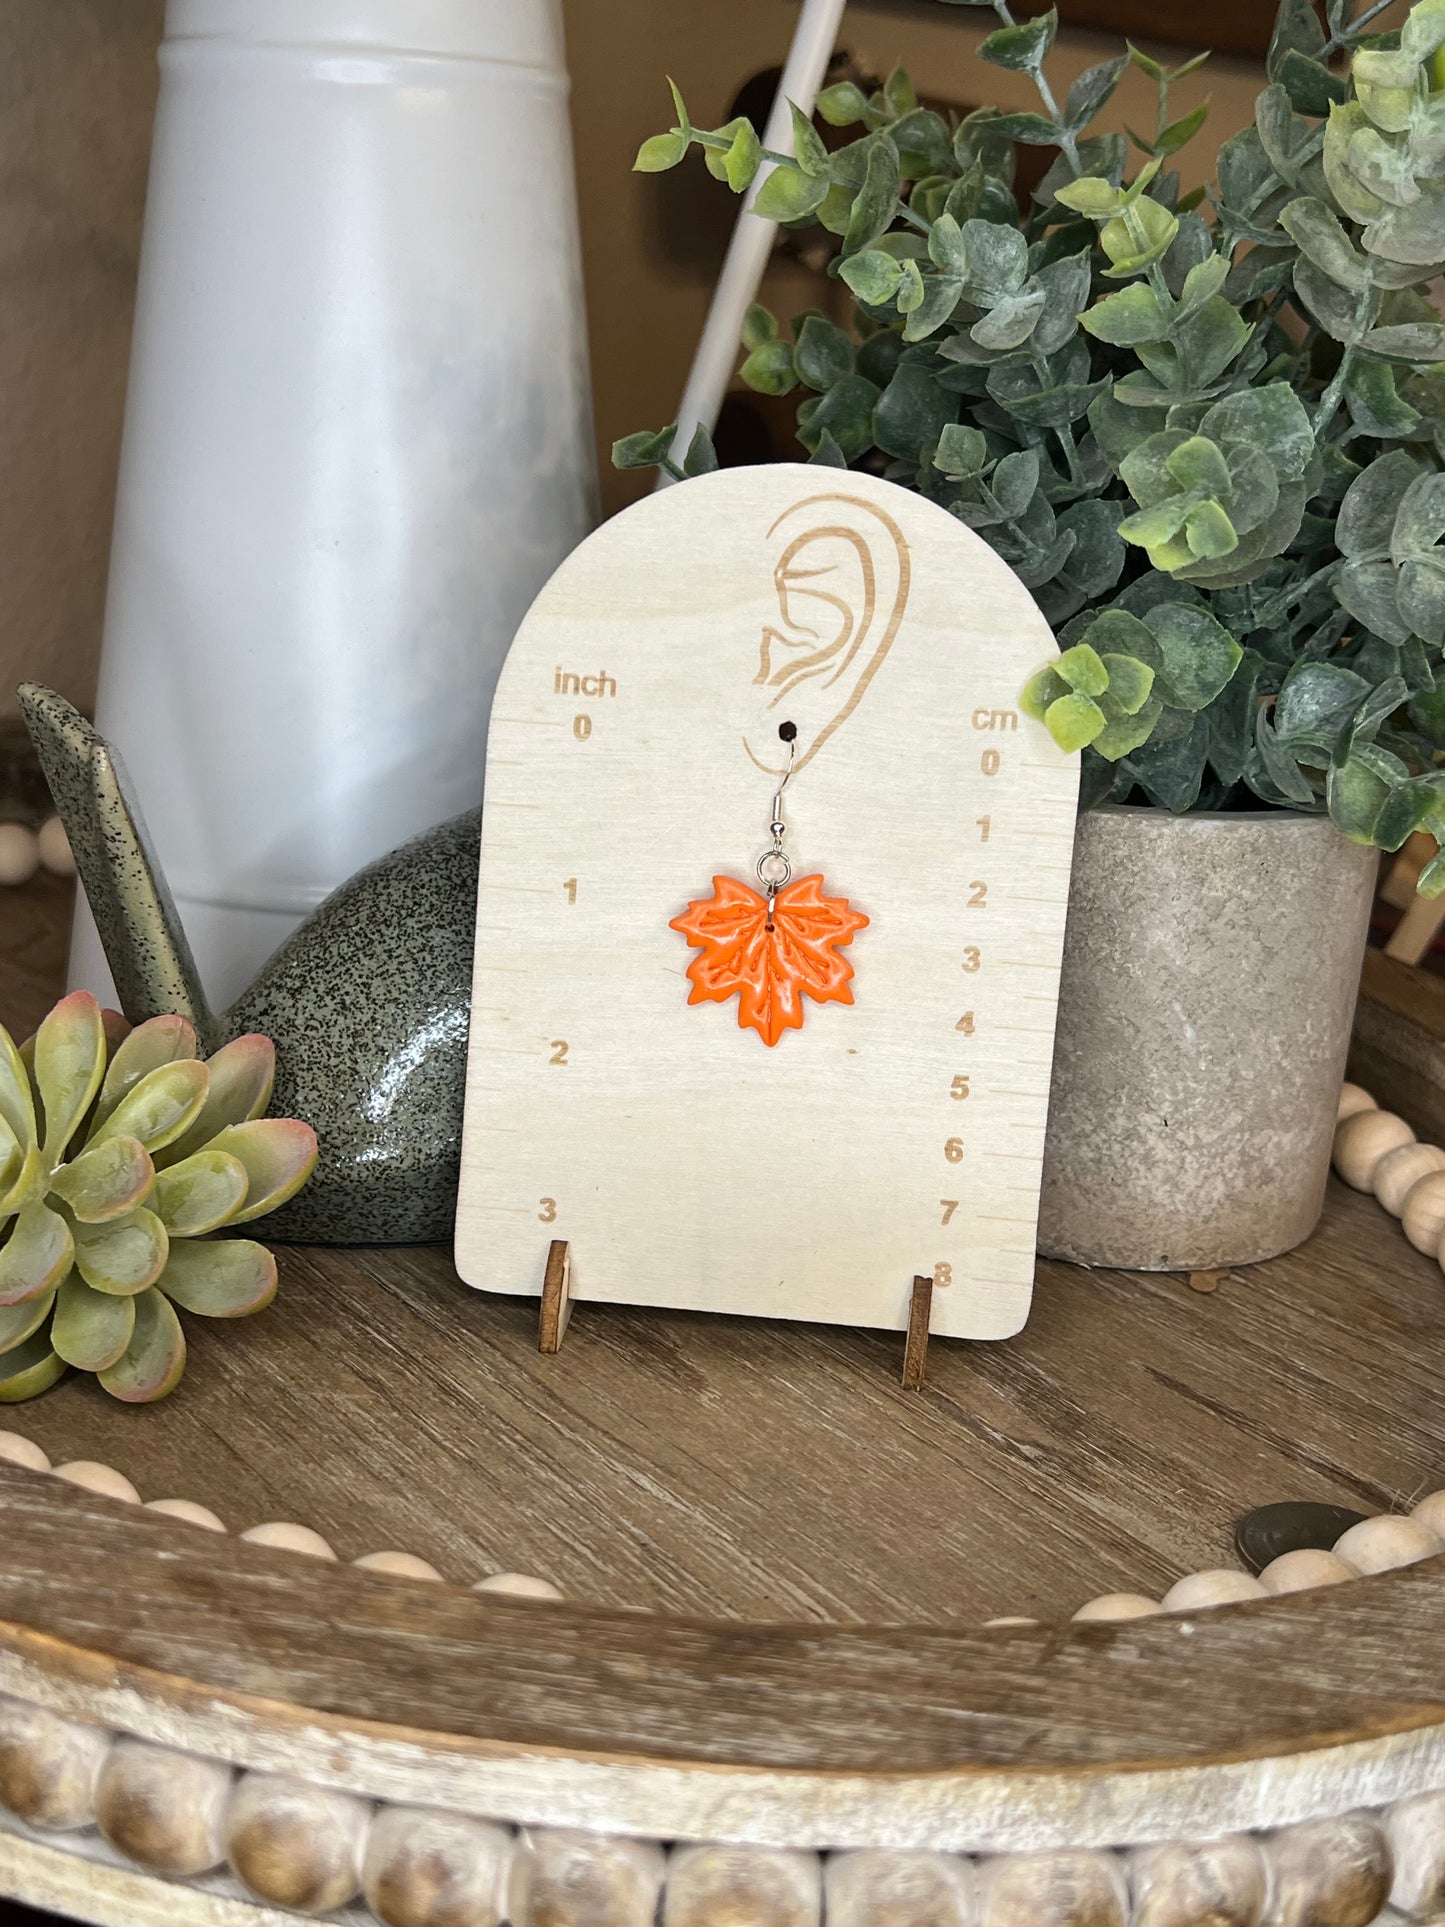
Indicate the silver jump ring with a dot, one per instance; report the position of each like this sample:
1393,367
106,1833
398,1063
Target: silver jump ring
774,870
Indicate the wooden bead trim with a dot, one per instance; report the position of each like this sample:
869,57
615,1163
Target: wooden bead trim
1375,1545
309,1850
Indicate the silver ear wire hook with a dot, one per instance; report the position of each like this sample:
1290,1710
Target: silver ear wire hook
775,872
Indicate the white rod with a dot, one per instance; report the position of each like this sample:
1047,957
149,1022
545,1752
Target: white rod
752,240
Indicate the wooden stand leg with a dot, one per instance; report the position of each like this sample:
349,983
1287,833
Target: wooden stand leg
915,1351
556,1309
1208,1280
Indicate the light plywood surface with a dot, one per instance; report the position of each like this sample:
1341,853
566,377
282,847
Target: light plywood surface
633,757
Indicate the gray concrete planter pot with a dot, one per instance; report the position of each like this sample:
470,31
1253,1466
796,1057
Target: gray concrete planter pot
1210,972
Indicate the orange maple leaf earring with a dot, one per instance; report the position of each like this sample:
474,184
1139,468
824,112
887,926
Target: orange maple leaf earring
770,951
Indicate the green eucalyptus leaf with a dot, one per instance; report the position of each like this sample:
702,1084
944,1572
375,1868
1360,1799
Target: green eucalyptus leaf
1138,236
1010,321
1093,89
1366,519
1023,48
843,104
701,457
876,201
808,149
1074,720
1311,86
1356,795
643,450
1367,591
1131,682
789,194
1082,668
1411,341
845,414
743,159
912,413
1375,404
661,152
1170,774
1065,285
91,1329
769,369
1197,654
154,1361
1318,234
823,355
220,1277
1132,315
962,452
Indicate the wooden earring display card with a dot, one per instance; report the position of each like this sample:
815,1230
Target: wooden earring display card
633,756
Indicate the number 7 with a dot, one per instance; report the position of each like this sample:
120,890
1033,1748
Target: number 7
950,1205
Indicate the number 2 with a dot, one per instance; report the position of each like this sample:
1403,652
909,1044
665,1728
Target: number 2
977,896
559,1051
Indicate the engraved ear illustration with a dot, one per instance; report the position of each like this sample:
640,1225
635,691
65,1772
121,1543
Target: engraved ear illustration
841,576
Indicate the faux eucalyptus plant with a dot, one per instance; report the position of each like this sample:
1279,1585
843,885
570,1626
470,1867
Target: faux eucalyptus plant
1207,429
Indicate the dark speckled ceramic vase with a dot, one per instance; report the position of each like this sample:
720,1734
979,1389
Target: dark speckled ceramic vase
1211,966
367,1002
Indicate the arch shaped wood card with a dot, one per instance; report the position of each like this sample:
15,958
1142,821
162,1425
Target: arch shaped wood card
633,759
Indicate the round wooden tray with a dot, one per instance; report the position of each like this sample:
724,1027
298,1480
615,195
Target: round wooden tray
771,1676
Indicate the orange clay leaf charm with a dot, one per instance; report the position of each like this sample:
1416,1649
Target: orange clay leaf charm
769,961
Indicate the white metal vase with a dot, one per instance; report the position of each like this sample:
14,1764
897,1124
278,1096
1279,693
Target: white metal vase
357,438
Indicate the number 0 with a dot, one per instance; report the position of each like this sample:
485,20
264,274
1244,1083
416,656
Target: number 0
582,727
989,762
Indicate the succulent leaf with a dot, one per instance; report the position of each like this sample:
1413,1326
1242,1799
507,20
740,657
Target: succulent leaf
279,1154
220,1277
163,1104
36,1256
242,1075
17,1103
27,1185
200,1194
17,1322
124,1256
106,1180
163,1143
91,1329
69,1066
29,1370
153,1363
160,1040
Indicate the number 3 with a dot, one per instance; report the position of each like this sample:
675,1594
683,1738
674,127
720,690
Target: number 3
548,1213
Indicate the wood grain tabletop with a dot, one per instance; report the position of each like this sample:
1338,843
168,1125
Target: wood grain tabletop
734,1467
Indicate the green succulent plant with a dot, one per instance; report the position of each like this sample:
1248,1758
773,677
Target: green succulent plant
120,1152
1207,429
